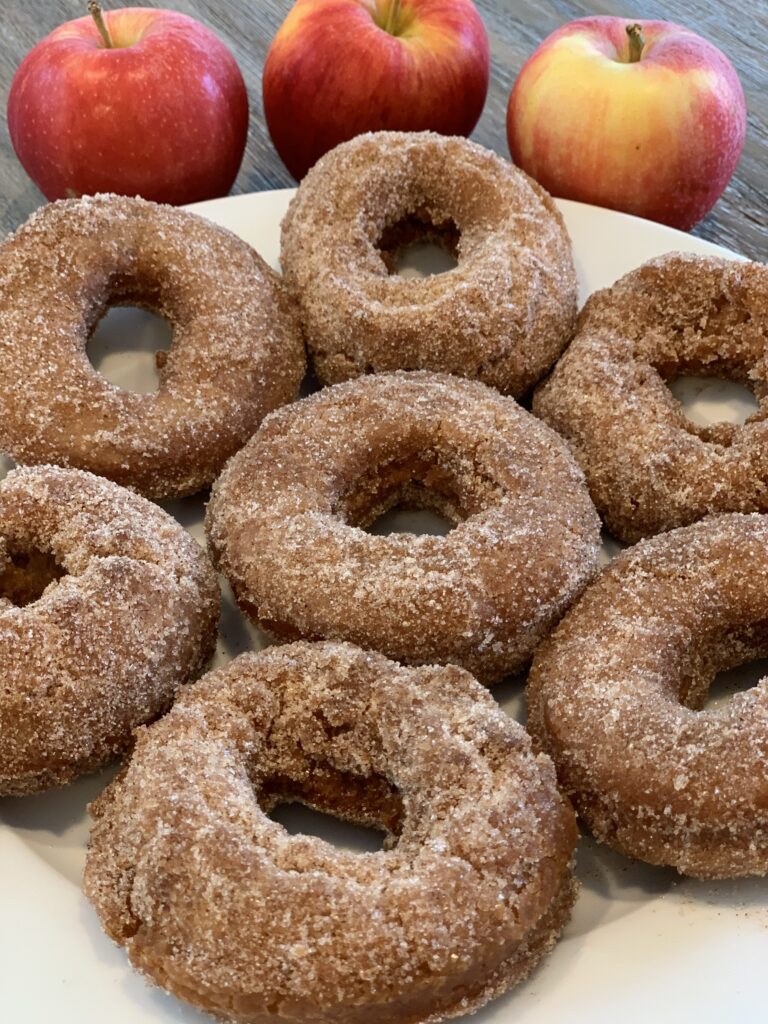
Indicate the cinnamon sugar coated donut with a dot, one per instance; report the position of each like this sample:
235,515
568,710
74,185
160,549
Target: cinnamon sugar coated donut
503,315
649,468
616,697
222,906
287,519
236,351
107,606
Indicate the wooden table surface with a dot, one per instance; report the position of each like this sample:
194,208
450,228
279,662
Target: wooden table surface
515,27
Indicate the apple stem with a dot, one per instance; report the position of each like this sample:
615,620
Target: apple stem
94,9
636,42
393,18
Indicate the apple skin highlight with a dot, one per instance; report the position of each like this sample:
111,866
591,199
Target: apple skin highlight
333,72
659,138
163,114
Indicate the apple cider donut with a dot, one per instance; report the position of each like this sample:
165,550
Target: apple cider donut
219,904
649,468
615,696
107,606
236,351
287,519
503,315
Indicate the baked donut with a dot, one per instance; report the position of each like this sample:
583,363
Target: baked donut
222,906
503,315
236,351
107,606
287,519
649,468
616,697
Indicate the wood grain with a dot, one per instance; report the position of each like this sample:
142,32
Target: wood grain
515,27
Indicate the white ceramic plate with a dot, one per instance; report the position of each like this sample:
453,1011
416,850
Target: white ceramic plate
642,944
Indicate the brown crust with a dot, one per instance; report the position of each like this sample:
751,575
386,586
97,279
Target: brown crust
649,468
614,696
284,517
107,644
236,351
219,904
503,315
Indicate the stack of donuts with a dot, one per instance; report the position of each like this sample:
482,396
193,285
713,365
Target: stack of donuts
373,705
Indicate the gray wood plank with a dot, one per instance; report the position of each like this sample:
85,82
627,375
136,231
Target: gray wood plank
515,27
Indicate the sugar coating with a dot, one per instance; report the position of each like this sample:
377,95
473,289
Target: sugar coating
106,646
615,696
503,315
285,517
649,468
236,351
221,905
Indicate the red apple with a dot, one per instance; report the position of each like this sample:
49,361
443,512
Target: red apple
337,68
644,117
150,103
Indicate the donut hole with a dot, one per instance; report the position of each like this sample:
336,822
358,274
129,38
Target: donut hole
128,345
417,246
27,573
298,819
709,383
707,400
721,664
418,493
405,518
361,813
731,681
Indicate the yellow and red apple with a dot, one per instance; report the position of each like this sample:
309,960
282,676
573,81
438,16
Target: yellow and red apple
337,68
645,117
140,101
